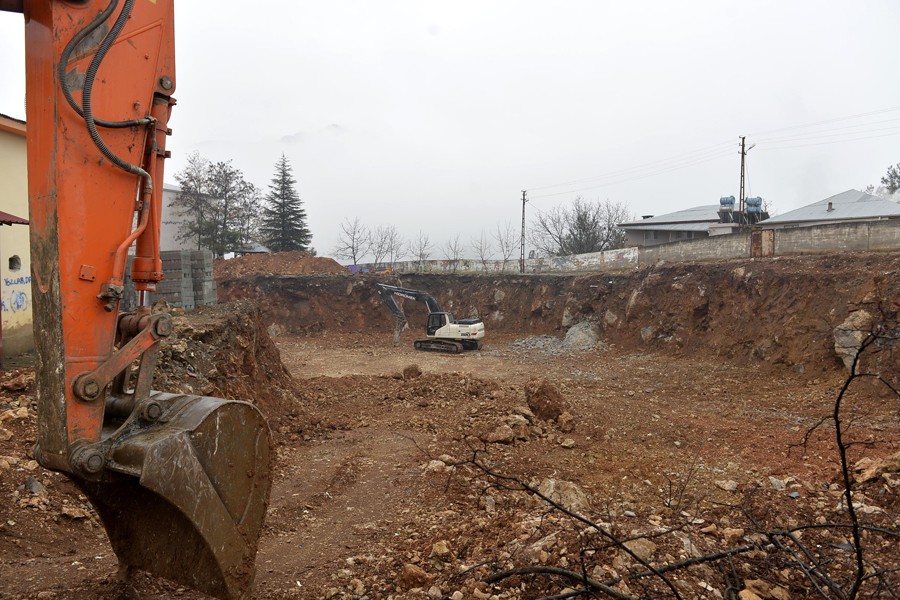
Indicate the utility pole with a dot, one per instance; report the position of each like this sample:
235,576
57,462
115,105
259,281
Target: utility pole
744,150
522,242
741,194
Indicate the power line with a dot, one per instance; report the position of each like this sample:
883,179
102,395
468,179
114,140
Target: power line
815,136
717,151
680,157
825,131
868,137
638,177
834,120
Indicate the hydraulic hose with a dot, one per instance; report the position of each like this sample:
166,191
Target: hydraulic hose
64,62
86,93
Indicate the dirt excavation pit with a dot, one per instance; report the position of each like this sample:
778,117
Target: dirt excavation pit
678,438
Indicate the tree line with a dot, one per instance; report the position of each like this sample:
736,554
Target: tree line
890,183
221,211
578,228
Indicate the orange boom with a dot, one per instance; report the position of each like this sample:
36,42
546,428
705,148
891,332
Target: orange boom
181,483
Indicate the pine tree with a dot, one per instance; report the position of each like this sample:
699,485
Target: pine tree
283,226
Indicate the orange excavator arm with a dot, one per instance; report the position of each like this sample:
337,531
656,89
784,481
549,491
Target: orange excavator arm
181,482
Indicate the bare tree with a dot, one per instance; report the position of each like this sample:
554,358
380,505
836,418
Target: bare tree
483,249
395,245
507,241
453,252
420,248
379,243
353,240
580,228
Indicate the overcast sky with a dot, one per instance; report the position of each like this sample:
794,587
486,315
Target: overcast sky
433,116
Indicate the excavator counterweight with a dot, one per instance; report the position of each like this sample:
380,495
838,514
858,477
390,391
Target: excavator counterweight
180,482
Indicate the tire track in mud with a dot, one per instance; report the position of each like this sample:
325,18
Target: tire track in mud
328,502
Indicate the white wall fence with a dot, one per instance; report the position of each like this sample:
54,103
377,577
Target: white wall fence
840,237
622,258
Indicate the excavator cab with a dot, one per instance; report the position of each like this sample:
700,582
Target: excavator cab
181,482
435,322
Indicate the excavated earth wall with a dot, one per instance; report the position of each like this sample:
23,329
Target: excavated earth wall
782,311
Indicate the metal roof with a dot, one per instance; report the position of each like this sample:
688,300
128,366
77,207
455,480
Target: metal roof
12,125
704,226
849,205
8,219
699,214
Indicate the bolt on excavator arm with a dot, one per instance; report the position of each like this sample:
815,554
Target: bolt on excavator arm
181,482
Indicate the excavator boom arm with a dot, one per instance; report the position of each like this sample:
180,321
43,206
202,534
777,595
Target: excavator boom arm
180,482
389,295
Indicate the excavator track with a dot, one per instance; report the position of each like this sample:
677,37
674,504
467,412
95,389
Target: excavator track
448,346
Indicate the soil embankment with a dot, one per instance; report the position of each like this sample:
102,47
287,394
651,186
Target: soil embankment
781,311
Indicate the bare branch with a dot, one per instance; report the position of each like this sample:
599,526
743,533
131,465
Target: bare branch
483,249
353,241
507,241
545,570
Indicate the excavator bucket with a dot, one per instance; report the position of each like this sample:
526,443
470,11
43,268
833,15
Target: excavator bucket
184,497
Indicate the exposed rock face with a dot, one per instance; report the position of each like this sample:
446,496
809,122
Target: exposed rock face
683,306
583,336
849,336
544,399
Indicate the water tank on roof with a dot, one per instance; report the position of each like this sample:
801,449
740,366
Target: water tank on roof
727,202
754,205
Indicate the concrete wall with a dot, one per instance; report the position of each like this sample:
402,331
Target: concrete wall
846,237
15,248
714,248
872,235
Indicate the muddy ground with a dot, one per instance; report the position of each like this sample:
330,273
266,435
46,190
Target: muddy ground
679,429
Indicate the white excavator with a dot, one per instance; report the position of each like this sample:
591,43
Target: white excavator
443,332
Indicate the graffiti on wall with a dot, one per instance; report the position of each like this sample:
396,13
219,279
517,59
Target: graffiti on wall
15,294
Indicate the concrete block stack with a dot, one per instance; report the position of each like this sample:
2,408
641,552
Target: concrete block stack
202,275
177,287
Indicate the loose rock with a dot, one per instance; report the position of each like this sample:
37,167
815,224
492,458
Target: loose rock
412,576
544,399
566,494
727,485
642,548
502,434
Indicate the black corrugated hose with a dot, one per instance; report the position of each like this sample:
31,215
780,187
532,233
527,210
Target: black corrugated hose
64,63
87,114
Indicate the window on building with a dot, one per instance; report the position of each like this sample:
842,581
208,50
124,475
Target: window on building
15,263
